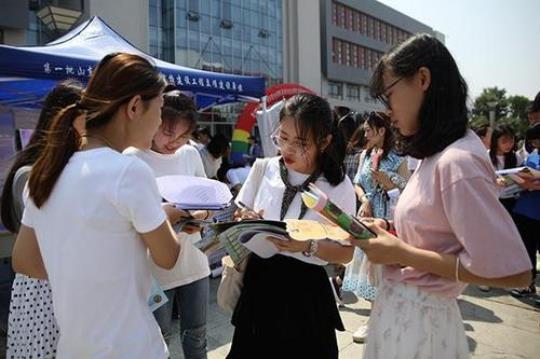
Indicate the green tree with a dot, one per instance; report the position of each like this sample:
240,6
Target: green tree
517,106
491,94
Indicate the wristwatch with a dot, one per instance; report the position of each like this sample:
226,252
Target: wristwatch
312,249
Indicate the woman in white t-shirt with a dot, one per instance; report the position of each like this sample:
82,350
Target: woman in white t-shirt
93,214
287,308
503,156
187,283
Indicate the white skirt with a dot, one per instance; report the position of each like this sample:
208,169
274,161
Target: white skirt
32,330
407,322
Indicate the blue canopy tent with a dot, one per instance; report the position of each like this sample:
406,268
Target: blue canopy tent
27,74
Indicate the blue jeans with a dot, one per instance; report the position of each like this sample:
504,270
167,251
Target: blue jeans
192,301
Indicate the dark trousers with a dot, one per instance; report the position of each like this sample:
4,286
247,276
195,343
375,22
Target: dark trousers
529,229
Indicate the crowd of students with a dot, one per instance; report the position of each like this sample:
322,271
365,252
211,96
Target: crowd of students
92,229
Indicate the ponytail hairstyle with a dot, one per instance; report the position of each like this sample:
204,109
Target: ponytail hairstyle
314,119
115,81
510,160
64,94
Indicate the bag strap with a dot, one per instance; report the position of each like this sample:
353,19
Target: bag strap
263,163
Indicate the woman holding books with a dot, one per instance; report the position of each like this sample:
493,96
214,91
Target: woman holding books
287,308
449,220
503,156
187,283
93,215
381,170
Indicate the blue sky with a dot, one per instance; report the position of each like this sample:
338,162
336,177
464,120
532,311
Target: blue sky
495,42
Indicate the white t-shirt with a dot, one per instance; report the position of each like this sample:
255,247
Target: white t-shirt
88,234
192,264
237,176
211,164
269,194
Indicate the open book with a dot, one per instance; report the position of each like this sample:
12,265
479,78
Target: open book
318,201
242,238
512,180
193,193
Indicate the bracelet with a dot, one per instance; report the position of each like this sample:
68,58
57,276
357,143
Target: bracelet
457,269
312,249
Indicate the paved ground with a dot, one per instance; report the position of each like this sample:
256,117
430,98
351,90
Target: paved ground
497,326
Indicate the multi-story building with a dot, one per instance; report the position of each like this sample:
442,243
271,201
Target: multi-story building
354,34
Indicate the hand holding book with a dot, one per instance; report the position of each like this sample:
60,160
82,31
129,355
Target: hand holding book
318,201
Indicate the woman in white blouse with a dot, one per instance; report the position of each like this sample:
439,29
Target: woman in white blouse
287,308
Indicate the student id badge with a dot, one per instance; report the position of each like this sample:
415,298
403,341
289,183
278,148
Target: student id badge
157,296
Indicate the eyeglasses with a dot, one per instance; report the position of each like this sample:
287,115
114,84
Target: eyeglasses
295,146
383,97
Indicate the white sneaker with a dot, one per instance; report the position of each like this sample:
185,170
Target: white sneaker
484,288
360,335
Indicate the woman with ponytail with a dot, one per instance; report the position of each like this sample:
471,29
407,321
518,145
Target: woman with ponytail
32,330
287,306
92,214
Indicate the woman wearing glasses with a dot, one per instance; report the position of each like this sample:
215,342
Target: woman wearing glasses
287,308
448,218
380,170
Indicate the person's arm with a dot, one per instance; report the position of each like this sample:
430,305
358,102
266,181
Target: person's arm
388,249
403,170
529,182
163,245
445,265
482,227
26,257
365,209
328,250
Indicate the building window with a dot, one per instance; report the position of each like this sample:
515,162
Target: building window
363,23
335,90
354,55
347,53
349,15
341,15
353,93
336,53
356,21
334,13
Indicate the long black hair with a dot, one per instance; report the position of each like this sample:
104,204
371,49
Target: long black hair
510,160
443,113
63,95
378,120
313,118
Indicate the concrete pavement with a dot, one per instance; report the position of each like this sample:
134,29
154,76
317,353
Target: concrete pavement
497,326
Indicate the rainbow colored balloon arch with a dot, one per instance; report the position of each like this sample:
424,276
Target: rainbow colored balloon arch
247,118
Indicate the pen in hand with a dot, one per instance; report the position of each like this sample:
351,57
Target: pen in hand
242,204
